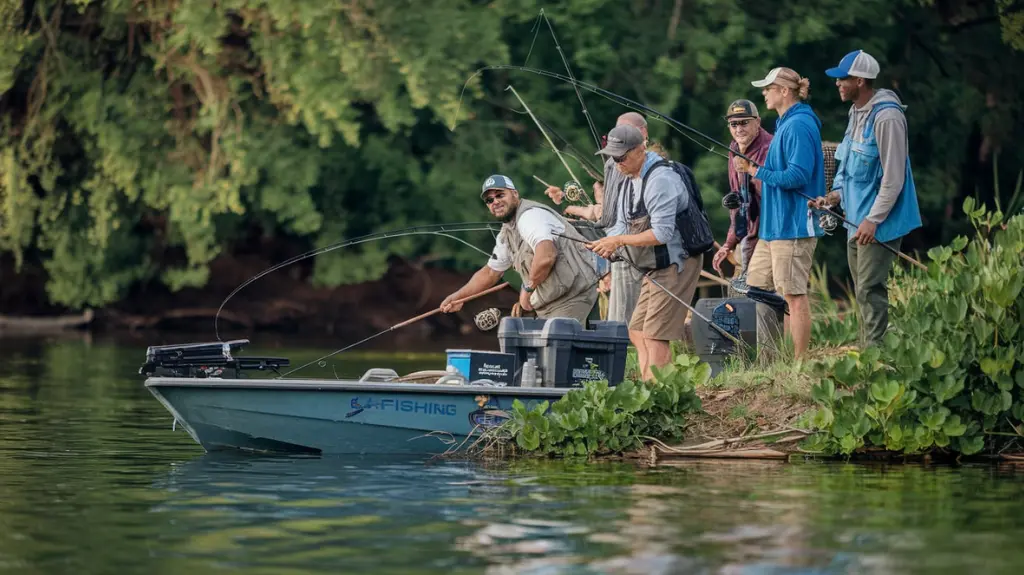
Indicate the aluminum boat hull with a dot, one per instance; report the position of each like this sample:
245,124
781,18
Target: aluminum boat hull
336,416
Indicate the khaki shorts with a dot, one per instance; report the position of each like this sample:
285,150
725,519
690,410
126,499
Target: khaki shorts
657,314
782,265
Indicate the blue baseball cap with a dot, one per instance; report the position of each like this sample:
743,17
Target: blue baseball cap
857,63
497,182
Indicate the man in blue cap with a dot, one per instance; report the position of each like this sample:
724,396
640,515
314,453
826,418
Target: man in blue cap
559,275
874,183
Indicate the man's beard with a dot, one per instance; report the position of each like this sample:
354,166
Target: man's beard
510,215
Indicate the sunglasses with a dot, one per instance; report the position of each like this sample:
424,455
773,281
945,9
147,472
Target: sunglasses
738,123
490,199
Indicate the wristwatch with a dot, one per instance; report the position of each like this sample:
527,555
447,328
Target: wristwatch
527,288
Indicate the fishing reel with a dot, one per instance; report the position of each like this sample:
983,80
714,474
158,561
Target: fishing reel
828,222
732,201
487,319
573,191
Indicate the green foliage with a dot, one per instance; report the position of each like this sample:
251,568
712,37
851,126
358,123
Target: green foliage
597,419
831,325
160,134
950,374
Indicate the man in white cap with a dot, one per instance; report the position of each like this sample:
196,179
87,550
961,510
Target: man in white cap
874,184
559,275
788,231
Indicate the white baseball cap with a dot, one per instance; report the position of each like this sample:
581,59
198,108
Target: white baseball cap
788,77
857,63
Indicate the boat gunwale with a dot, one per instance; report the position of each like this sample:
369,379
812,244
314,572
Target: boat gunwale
352,385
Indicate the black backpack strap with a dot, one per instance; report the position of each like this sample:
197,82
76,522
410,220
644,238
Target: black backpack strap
642,206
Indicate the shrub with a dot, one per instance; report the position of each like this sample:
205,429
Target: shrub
950,372
597,419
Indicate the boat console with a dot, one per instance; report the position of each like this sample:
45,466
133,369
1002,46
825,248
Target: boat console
201,360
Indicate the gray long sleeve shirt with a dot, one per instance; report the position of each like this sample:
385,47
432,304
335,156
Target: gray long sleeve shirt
891,137
665,197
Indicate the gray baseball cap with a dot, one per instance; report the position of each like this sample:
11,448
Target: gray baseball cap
497,182
621,140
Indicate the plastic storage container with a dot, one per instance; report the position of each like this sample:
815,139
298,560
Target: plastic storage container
756,324
474,365
566,353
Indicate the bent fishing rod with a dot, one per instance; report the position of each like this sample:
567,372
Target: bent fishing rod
443,230
396,326
548,138
679,126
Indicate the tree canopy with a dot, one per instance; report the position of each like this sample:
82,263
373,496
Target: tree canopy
143,139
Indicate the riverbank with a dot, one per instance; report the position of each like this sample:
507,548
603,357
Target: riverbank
282,303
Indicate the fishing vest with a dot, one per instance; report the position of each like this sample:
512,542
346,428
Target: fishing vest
861,168
691,223
574,271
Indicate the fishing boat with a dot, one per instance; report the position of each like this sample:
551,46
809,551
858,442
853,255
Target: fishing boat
227,401
223,402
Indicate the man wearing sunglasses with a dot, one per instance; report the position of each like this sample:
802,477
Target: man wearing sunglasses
624,284
751,140
646,230
559,274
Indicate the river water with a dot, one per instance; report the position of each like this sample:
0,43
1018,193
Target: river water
94,480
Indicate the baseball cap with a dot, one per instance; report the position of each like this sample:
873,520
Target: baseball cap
857,63
741,109
497,182
621,140
779,74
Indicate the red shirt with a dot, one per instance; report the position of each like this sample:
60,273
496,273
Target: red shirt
757,151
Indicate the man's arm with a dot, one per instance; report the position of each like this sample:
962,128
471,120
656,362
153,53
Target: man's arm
544,255
891,134
664,198
484,278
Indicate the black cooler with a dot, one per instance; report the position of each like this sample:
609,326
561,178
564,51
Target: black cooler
566,353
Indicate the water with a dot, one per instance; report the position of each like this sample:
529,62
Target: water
93,480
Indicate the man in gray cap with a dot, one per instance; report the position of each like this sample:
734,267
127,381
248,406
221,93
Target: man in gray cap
646,231
559,275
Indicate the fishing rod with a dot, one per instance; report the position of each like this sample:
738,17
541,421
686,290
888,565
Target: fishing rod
568,69
548,138
443,230
713,325
396,326
679,127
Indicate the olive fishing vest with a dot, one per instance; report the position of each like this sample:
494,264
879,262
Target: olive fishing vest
574,271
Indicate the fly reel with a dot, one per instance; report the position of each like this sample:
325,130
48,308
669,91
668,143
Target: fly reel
828,222
487,319
573,191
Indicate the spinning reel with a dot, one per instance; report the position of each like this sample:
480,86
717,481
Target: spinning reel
732,201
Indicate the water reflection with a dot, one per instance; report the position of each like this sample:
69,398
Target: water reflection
93,479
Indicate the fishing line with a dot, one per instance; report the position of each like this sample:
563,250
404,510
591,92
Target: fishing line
443,230
568,69
679,126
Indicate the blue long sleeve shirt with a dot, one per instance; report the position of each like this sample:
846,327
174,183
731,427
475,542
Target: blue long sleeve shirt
795,163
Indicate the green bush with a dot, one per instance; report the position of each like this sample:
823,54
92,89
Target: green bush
597,419
950,372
